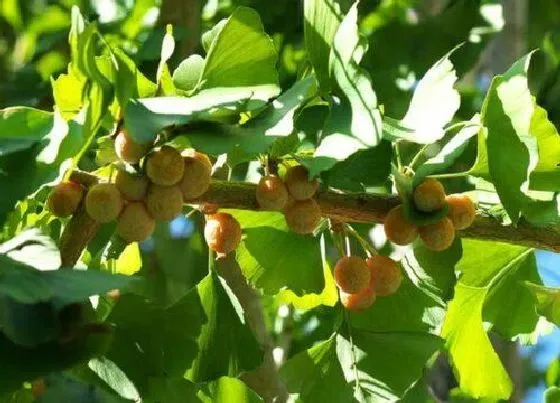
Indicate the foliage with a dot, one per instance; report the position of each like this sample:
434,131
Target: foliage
368,102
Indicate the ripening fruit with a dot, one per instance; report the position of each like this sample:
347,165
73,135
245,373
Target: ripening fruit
386,275
197,173
438,236
127,149
104,202
302,216
165,166
351,274
164,202
65,198
38,387
298,183
359,301
398,229
461,210
132,187
135,223
222,233
272,193
429,196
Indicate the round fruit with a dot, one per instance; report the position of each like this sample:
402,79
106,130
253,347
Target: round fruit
351,274
272,193
104,202
127,149
135,223
438,236
302,216
398,229
132,187
429,196
165,166
65,198
197,173
38,387
386,277
461,210
298,183
164,202
222,233
358,302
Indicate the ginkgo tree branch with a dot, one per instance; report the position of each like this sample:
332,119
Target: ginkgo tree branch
344,207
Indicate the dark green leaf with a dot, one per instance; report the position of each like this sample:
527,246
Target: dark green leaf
225,390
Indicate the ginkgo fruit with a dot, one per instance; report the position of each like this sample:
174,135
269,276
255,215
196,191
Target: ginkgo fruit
133,187
38,387
197,174
386,276
462,210
164,202
398,229
358,301
298,184
438,236
222,233
351,274
104,202
165,166
302,216
65,198
429,196
129,150
271,193
135,223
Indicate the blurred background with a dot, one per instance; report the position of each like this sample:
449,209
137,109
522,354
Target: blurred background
405,38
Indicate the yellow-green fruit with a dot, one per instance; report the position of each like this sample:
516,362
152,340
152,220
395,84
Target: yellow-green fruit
164,202
127,149
271,193
64,199
135,223
461,210
298,183
386,277
104,202
165,166
398,229
429,196
196,178
222,233
132,187
351,274
359,301
438,236
303,216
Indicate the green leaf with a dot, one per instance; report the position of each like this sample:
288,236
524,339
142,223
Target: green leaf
355,82
170,390
22,127
316,374
470,348
433,272
322,19
367,358
28,285
167,49
68,93
187,75
216,342
241,55
433,103
263,259
546,175
114,377
552,395
225,390
130,82
546,300
449,152
512,150
364,169
61,387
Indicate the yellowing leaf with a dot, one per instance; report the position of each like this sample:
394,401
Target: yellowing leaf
129,262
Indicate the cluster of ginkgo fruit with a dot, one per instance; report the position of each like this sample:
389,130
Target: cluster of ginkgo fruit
136,200
429,197
294,196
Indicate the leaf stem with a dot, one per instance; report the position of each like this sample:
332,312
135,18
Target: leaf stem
357,387
368,248
398,155
417,157
449,175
